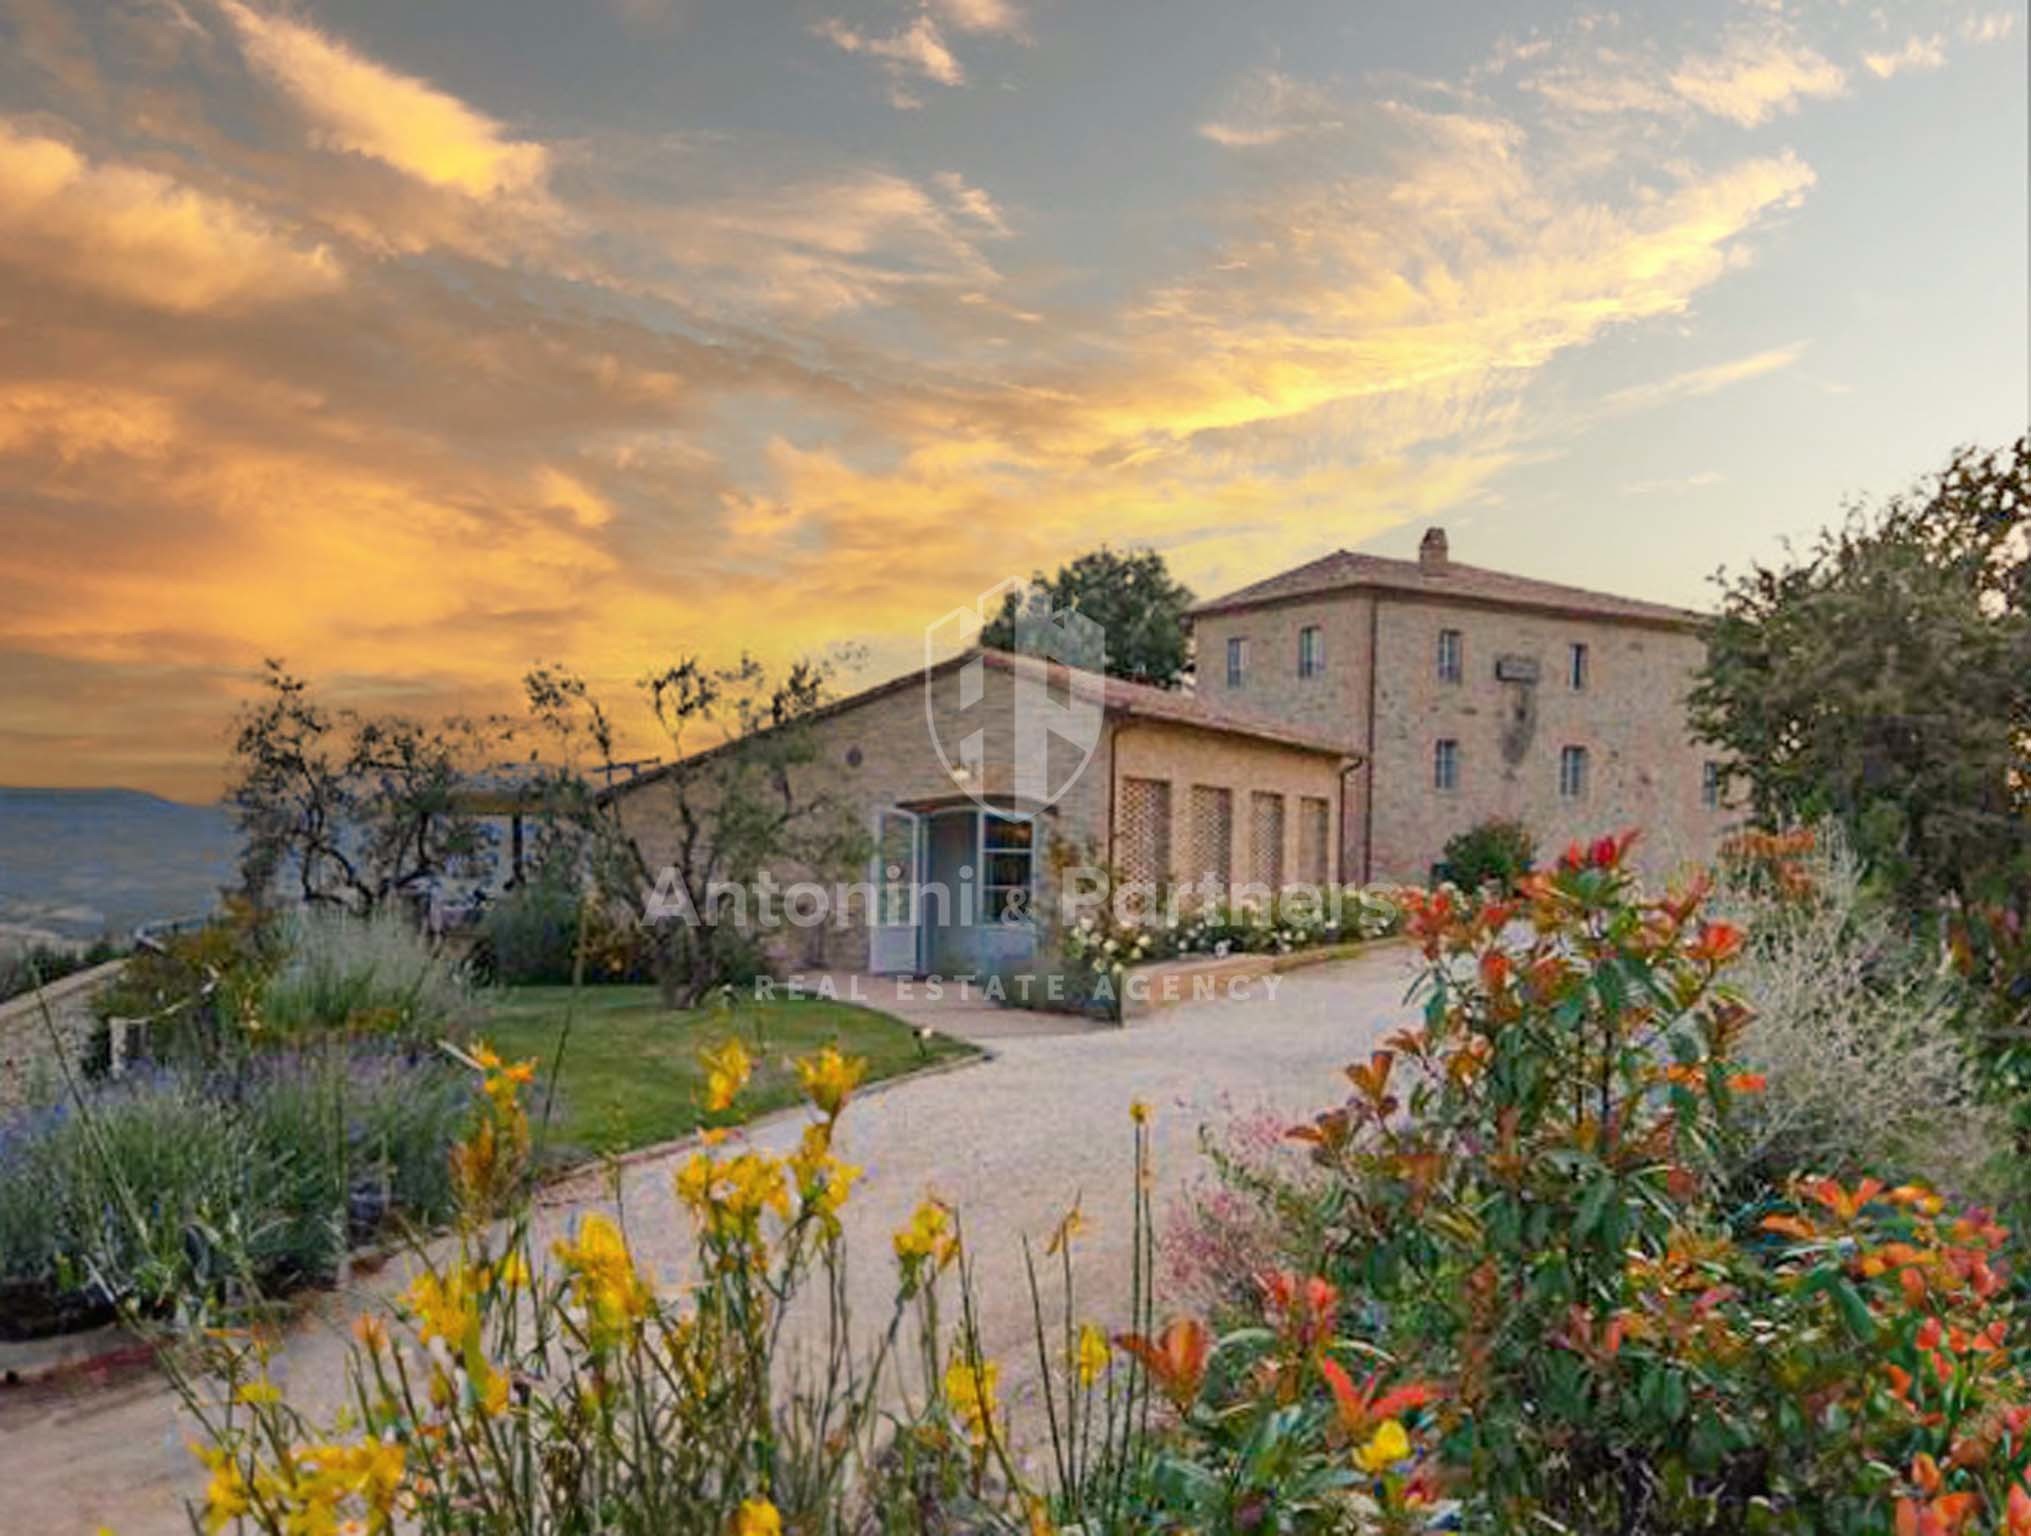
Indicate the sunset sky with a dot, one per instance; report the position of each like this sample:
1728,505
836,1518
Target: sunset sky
415,342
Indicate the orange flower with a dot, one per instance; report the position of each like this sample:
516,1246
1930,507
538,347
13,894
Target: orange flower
1844,1203
1715,943
1790,1226
1176,1358
1306,1309
1358,1411
1372,1080
2018,1511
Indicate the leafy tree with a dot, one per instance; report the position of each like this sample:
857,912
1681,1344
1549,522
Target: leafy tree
671,849
1495,851
356,811
1131,596
1884,678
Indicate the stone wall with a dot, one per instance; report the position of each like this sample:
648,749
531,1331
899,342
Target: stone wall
27,1061
1332,704
875,750
1644,768
1186,758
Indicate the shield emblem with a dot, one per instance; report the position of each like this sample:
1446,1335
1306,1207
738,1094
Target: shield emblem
1022,726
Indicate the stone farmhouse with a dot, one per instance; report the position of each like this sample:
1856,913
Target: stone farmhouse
1469,694
968,839
1349,716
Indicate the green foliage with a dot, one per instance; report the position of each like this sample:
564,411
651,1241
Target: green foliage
194,997
1883,679
757,798
530,935
175,1187
1536,1313
1842,994
245,983
1527,1196
1495,852
349,975
1134,599
631,1074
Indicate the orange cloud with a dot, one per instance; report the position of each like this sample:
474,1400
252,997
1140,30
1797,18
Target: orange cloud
754,396
139,237
365,108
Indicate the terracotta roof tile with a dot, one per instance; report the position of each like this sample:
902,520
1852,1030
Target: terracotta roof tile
1344,571
1178,705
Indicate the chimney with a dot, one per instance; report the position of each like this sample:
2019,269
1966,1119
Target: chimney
1431,552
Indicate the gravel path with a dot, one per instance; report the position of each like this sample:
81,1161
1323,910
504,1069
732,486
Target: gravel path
1011,1141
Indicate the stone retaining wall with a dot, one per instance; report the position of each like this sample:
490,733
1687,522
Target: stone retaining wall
26,1057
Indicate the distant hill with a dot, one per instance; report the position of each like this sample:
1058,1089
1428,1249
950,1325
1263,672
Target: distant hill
75,863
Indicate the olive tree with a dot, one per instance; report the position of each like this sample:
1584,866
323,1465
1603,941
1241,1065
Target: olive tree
745,792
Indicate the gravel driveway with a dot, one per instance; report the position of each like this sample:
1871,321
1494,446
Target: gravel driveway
1011,1141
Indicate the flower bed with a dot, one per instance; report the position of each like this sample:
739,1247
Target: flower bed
1098,952
1518,1299
179,1183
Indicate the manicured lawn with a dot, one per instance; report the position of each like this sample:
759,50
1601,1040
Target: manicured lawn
631,1074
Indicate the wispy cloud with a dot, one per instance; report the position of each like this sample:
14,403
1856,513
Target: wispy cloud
359,106
1674,487
972,202
1704,381
1269,107
1917,53
1756,76
990,16
917,51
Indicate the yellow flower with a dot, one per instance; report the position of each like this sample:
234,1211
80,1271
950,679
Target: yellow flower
256,1393
727,1070
757,1517
1138,1111
823,1181
379,1466
371,1332
1385,1449
1090,1355
727,1196
828,1078
1070,1225
443,1305
969,1389
227,1496
513,1272
603,1281
492,1395
929,1235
